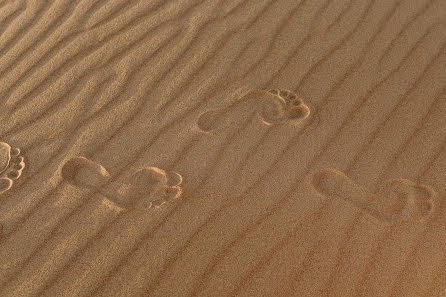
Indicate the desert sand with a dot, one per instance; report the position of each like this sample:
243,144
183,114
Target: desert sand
223,148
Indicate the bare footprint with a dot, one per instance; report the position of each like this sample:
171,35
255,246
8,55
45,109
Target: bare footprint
149,187
284,106
273,106
11,166
210,120
82,172
410,200
398,200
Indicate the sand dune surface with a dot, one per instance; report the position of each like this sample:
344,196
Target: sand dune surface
223,148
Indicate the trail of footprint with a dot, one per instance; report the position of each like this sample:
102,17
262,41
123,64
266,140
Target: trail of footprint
149,187
273,106
11,166
398,200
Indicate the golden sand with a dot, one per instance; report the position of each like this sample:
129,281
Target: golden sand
223,148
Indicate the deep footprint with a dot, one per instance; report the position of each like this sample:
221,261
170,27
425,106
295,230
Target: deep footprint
273,106
398,200
11,166
149,187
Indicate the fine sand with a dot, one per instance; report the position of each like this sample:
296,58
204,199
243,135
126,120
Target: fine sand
223,148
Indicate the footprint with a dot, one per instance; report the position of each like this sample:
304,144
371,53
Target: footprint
283,106
149,187
273,106
411,200
11,166
398,199
82,172
210,120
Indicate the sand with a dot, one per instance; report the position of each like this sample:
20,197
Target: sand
223,148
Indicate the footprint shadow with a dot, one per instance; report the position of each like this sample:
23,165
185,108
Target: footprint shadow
273,107
11,166
397,200
149,187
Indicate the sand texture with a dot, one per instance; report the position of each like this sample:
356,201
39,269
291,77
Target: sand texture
223,148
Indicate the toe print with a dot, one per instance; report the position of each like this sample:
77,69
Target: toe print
11,166
149,187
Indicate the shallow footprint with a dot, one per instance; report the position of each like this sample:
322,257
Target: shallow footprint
146,188
11,166
273,106
210,120
274,110
5,185
335,184
284,105
149,187
411,200
398,200
164,195
234,114
82,172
